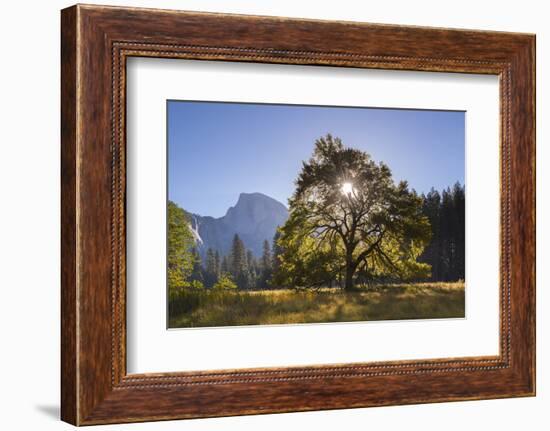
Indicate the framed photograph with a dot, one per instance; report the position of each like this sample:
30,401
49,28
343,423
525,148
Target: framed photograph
322,214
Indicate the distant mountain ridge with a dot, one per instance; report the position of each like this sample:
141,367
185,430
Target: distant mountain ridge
255,218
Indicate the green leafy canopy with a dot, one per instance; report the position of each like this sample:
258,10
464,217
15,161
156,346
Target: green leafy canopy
182,259
349,220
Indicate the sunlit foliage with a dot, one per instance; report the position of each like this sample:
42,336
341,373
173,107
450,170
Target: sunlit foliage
349,221
181,258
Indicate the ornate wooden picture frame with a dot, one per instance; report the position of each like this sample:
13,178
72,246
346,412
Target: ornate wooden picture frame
96,41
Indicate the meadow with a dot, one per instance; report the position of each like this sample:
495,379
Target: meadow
216,307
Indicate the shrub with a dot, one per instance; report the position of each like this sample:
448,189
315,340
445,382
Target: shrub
225,282
196,284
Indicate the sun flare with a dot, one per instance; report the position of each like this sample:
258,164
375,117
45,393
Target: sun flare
347,188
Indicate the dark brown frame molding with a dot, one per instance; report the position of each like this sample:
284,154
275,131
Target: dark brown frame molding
95,43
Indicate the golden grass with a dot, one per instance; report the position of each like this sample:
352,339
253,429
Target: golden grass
203,308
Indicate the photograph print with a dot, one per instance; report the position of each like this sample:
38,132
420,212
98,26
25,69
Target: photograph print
299,214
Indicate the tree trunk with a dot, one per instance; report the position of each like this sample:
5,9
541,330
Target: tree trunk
350,270
349,278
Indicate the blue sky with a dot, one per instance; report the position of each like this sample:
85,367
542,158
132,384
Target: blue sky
218,150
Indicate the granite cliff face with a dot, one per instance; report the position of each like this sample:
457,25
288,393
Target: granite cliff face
255,218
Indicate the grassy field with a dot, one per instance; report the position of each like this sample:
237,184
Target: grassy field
201,308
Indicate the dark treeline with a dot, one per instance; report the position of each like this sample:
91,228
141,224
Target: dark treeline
240,269
446,250
445,253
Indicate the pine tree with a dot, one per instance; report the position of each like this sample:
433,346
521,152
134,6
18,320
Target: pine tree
238,262
217,263
266,265
448,249
250,261
266,255
432,254
210,272
197,272
459,204
238,256
251,271
225,267
276,251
